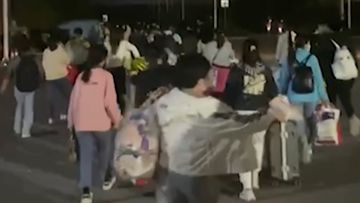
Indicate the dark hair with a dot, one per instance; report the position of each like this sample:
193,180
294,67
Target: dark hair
115,38
122,31
22,43
220,39
206,34
190,69
301,40
250,56
97,54
53,43
78,31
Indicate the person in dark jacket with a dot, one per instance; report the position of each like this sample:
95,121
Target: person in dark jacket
325,50
250,86
249,90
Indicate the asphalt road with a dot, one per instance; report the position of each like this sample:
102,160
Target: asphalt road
36,170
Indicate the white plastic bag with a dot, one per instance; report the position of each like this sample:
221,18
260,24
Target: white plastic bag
327,126
137,146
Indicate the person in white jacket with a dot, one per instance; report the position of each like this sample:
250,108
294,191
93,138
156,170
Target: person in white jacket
126,50
282,46
125,53
221,55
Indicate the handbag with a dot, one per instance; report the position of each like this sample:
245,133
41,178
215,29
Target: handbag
220,75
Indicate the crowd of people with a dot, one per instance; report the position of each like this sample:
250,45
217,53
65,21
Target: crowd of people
90,85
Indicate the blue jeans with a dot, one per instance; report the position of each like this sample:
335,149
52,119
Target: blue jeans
59,94
95,155
308,109
24,113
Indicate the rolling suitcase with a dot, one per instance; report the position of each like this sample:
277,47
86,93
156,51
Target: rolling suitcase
283,154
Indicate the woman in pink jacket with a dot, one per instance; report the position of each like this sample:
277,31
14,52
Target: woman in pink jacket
93,113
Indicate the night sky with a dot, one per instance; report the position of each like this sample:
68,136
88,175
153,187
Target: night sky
248,14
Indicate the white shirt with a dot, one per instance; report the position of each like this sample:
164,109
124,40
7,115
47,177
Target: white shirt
124,52
55,63
283,46
177,112
222,56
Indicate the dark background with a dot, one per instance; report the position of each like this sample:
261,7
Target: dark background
249,15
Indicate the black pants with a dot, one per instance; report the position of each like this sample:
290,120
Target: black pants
192,189
341,89
119,76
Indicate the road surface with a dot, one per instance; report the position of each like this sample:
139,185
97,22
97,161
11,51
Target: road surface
36,170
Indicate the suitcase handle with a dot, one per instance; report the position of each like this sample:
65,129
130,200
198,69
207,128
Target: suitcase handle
284,135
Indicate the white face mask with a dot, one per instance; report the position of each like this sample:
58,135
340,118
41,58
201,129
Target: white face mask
308,47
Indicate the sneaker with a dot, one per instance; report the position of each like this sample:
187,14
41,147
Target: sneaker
25,135
109,184
247,195
63,117
17,131
50,121
307,154
87,198
354,126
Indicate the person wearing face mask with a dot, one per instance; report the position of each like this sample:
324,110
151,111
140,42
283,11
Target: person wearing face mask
299,59
249,90
93,114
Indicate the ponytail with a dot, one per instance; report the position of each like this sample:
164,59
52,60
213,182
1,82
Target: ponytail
97,54
220,40
86,75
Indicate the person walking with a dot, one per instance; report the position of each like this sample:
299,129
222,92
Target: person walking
27,72
306,96
55,62
94,113
249,90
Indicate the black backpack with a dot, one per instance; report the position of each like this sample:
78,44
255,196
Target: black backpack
303,80
27,74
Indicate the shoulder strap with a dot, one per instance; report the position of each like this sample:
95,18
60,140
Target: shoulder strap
305,61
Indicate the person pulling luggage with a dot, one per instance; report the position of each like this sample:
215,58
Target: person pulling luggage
249,89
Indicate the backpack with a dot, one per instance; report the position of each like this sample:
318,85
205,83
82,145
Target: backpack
303,80
344,66
27,74
137,144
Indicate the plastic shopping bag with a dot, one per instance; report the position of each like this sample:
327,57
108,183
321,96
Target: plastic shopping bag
328,127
